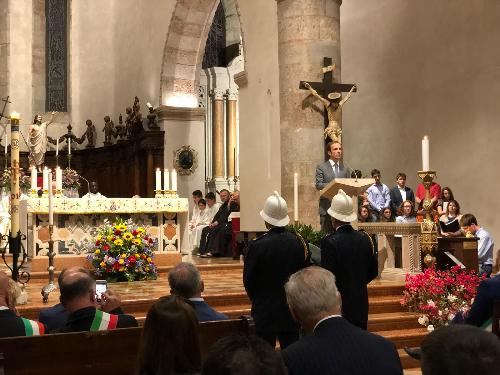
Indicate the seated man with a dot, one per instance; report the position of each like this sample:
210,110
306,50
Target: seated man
460,350
93,191
11,324
333,346
78,296
185,281
468,223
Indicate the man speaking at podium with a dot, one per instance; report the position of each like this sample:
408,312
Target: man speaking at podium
326,172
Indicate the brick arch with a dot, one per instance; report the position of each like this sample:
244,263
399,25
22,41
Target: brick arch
184,49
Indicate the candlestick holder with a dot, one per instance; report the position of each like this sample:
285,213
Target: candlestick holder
170,194
428,228
69,161
58,193
50,287
158,193
16,248
33,193
57,161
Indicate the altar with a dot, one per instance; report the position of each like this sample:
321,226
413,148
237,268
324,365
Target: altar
76,222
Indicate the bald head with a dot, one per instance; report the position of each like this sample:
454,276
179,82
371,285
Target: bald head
77,290
68,271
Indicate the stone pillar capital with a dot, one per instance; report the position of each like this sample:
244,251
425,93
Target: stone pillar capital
232,94
218,94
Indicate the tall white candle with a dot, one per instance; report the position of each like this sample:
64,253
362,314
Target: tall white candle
34,181
69,146
174,180
45,179
6,142
425,154
166,179
51,202
58,178
158,179
296,197
57,148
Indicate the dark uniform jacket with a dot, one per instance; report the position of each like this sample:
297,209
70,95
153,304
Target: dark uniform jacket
338,347
270,261
12,325
350,256
81,320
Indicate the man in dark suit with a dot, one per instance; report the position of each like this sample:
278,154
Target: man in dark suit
326,172
10,324
333,346
79,299
185,281
351,256
400,193
270,260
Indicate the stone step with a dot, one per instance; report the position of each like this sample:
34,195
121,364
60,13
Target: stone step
386,289
408,362
392,320
385,304
404,337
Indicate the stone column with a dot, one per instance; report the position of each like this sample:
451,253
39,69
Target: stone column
218,135
231,150
308,30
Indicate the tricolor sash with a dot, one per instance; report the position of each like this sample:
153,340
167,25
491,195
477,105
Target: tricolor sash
103,321
33,328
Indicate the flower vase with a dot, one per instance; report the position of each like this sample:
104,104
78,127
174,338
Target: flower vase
71,193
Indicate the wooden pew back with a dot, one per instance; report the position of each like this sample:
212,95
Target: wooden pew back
495,318
104,352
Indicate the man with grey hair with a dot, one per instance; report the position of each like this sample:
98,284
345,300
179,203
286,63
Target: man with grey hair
185,281
333,346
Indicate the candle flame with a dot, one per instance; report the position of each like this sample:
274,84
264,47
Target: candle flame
15,116
426,138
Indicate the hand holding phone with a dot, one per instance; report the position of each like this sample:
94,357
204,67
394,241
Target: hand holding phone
100,288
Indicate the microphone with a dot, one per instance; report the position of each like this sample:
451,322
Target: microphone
353,171
88,184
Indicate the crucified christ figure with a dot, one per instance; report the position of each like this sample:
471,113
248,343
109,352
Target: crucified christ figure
333,107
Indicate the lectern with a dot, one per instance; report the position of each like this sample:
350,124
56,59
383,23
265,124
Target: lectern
351,186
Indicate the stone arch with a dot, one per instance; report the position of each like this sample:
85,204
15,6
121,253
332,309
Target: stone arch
185,46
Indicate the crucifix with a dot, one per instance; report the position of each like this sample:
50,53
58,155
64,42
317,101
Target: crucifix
330,95
6,101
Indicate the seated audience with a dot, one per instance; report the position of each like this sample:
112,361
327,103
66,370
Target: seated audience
378,196
200,222
242,355
213,205
435,191
445,197
185,281
195,215
481,310
450,221
10,323
386,216
400,193
406,213
364,214
170,342
78,297
333,346
485,245
460,350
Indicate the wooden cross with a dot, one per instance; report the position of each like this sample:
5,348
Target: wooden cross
5,100
327,86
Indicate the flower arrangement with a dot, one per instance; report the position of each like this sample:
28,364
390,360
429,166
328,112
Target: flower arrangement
440,295
70,179
123,251
24,180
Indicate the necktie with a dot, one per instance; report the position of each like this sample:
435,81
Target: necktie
336,169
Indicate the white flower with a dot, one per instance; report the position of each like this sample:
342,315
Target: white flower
431,303
440,312
451,316
430,328
452,298
423,320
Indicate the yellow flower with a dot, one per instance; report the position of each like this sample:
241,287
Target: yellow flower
97,251
137,256
147,269
141,230
137,241
128,236
121,227
110,237
102,264
99,237
123,256
118,242
121,261
149,259
121,269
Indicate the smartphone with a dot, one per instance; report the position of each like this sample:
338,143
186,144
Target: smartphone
100,289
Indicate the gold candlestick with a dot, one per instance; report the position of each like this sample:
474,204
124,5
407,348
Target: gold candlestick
428,228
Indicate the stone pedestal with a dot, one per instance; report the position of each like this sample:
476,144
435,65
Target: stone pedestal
308,31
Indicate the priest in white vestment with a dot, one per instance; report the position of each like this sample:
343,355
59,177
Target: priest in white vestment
202,220
93,192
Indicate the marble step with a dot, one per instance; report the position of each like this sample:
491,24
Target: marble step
408,362
404,337
385,304
392,320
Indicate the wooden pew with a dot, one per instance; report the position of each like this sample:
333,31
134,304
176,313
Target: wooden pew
495,318
104,352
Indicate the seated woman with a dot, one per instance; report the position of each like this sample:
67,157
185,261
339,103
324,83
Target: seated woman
364,214
406,213
444,199
202,220
449,223
170,342
386,216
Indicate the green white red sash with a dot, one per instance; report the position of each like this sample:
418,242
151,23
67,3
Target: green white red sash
103,321
32,328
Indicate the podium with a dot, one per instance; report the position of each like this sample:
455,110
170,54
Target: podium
351,186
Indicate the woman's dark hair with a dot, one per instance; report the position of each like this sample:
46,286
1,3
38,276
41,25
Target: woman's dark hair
456,204
369,217
401,210
449,190
170,339
383,218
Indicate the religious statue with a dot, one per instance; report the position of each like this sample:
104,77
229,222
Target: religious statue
333,106
109,130
121,131
90,134
152,121
37,140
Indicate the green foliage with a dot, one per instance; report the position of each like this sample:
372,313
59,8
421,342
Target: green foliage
309,234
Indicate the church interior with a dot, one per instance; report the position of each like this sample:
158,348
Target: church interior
142,103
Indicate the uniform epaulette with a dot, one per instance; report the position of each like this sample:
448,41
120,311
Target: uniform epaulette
261,236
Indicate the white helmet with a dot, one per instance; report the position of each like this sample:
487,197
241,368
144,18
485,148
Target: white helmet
275,211
342,208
